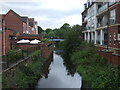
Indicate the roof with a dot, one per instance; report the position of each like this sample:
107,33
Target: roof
24,19
31,22
31,35
88,8
14,13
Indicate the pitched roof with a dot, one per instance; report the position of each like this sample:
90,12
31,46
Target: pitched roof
24,19
14,13
31,22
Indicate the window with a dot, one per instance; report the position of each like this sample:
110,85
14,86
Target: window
110,38
112,16
111,2
114,36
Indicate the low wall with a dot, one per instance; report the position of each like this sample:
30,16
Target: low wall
26,46
112,58
46,50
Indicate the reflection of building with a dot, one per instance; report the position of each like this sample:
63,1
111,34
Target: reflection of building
101,23
13,25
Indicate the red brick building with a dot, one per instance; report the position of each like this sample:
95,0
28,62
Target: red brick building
13,25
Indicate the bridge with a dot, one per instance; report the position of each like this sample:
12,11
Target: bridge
56,40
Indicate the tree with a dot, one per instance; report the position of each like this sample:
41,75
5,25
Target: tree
48,30
65,26
40,30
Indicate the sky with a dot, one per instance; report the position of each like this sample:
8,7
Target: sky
48,13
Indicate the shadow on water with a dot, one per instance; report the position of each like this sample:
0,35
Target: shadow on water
59,73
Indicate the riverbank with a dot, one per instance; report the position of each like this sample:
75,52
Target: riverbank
96,72
56,72
25,75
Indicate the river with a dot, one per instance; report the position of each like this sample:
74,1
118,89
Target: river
57,75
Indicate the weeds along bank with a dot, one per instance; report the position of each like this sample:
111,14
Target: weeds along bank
95,70
25,75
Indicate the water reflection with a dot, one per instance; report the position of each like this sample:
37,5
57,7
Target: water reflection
56,75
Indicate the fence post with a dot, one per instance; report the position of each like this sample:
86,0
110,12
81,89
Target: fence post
7,61
22,54
16,57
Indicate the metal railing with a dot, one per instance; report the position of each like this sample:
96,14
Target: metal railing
101,9
9,60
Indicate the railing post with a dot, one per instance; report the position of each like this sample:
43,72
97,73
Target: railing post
7,61
16,57
22,54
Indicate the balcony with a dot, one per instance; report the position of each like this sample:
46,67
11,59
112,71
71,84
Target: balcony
85,20
103,8
101,24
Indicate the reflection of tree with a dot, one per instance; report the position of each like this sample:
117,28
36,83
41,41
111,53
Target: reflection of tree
70,67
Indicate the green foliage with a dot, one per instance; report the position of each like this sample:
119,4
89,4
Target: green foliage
25,75
94,69
48,30
62,31
40,30
14,55
45,40
71,43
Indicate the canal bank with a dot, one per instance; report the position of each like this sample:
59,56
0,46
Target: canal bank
57,76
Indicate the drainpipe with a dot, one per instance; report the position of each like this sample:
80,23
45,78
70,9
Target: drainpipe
108,26
2,39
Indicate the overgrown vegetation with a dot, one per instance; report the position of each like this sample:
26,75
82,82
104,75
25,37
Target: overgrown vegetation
25,75
96,71
14,55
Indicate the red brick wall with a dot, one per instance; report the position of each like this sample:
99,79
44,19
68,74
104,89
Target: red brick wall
109,56
25,46
12,21
6,42
0,43
45,51
114,28
30,37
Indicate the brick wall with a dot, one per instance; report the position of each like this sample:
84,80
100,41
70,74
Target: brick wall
115,27
25,46
109,56
114,59
45,51
13,21
0,43
29,37
6,42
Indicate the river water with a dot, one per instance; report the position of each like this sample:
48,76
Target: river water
57,75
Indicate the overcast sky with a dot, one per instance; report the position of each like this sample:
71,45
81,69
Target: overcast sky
48,13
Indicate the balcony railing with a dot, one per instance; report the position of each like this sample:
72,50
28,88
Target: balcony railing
102,24
104,7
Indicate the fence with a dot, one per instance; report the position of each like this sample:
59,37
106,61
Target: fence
16,55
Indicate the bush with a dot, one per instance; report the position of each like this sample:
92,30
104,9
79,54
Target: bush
25,76
94,69
14,55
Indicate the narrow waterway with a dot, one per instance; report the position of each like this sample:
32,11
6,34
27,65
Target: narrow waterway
58,77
